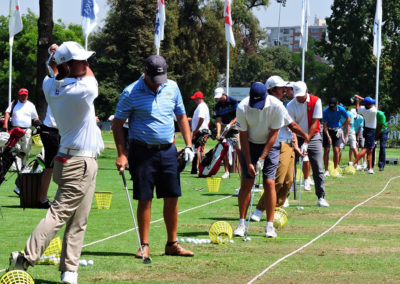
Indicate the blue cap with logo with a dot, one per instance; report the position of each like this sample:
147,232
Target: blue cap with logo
369,101
258,94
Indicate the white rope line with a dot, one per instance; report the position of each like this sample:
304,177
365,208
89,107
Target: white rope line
155,221
321,235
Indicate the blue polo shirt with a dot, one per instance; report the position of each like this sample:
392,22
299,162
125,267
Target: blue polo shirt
358,123
332,117
343,121
151,116
226,110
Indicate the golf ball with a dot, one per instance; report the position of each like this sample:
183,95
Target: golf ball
247,239
83,262
90,262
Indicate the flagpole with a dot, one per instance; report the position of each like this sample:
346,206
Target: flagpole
227,68
158,51
377,81
86,41
10,71
303,58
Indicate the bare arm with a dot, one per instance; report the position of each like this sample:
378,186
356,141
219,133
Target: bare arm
118,132
201,119
218,125
273,134
296,129
6,119
311,131
185,129
245,149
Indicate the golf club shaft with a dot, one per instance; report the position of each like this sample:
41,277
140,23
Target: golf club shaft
250,207
301,179
133,215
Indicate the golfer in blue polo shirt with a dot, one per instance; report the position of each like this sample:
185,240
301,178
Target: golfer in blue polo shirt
333,130
150,103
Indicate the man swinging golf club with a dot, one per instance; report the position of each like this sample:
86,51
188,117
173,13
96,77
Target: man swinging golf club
150,104
259,118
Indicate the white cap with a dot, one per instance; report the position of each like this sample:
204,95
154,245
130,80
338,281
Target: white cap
299,89
111,117
275,81
218,93
354,111
71,50
289,84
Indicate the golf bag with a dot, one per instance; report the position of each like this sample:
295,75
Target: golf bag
211,162
8,150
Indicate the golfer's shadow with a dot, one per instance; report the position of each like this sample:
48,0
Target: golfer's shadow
216,194
193,234
227,219
101,253
41,281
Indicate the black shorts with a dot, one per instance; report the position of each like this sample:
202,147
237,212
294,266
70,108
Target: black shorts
154,168
335,140
270,163
369,135
51,142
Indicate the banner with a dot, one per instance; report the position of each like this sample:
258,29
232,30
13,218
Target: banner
160,20
15,21
89,11
228,23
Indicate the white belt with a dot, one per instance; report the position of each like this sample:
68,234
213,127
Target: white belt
78,153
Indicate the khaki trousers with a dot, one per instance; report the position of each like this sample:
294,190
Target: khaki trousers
283,177
76,179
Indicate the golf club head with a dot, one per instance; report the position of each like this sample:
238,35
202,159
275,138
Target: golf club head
147,260
300,208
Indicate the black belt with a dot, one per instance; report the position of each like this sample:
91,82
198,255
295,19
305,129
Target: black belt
151,146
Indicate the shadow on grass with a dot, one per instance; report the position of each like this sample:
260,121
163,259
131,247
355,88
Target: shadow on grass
216,194
220,218
102,253
193,234
41,281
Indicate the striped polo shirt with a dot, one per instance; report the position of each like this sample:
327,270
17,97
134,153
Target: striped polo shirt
151,116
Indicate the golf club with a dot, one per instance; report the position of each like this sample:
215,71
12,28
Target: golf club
301,180
246,238
146,260
186,183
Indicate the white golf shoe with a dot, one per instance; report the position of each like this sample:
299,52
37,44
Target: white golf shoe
322,203
365,165
69,277
270,232
359,168
240,230
225,175
326,174
256,216
371,171
307,184
286,204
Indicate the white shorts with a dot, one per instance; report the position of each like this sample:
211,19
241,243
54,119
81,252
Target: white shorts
352,141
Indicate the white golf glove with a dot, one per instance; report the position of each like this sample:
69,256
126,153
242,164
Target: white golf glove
259,165
188,154
227,127
339,132
304,148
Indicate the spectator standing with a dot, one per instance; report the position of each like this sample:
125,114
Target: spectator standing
382,133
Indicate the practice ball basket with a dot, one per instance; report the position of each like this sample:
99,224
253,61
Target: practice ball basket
220,232
103,199
280,218
16,277
52,254
213,184
350,170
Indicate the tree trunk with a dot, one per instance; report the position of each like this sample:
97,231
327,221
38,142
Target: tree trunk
45,39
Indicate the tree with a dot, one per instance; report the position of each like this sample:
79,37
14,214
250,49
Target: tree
349,49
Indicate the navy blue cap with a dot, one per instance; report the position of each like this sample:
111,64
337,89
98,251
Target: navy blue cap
369,101
258,94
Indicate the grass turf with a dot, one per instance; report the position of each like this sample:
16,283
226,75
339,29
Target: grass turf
363,248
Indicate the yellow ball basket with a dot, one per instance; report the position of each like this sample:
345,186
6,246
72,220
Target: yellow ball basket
51,256
350,170
331,166
339,169
103,199
213,184
16,277
36,140
220,232
334,173
280,218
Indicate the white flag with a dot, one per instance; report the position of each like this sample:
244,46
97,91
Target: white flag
15,21
89,11
305,13
378,29
160,20
228,23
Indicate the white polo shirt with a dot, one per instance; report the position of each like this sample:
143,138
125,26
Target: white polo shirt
71,102
259,122
23,114
369,116
201,111
49,119
285,134
298,111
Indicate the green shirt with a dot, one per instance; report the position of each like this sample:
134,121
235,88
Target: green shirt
381,119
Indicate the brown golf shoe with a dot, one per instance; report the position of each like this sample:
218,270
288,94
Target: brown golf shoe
146,251
178,250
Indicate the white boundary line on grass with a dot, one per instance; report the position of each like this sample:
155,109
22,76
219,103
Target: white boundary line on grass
321,235
155,221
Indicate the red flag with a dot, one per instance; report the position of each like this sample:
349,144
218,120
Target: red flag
228,23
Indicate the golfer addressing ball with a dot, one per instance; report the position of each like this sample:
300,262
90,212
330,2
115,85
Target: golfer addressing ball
70,95
150,104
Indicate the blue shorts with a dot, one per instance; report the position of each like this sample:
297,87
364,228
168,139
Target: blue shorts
369,136
154,168
270,163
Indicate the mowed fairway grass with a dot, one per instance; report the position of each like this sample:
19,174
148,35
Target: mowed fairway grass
363,248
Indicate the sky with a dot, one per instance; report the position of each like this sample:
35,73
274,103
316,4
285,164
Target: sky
69,11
